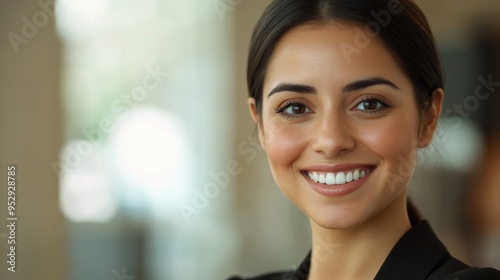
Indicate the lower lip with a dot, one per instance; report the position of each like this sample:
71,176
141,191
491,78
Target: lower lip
338,190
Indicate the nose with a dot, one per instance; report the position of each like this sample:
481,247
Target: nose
332,137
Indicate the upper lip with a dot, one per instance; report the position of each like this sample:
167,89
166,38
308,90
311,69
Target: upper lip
337,167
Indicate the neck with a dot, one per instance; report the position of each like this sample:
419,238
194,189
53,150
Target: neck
358,253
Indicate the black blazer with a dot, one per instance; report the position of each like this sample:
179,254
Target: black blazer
418,255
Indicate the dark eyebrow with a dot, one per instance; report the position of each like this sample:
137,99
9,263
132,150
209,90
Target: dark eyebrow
353,86
362,84
292,87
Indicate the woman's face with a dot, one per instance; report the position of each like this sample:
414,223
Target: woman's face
339,123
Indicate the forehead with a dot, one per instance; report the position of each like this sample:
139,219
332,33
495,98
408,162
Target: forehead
328,53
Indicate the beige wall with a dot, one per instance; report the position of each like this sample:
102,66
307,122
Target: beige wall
30,137
455,18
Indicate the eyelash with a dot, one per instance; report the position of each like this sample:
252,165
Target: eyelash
287,104
374,111
281,109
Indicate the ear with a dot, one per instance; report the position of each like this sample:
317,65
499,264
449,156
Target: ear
430,119
257,119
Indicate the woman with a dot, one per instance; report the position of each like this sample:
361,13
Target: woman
344,92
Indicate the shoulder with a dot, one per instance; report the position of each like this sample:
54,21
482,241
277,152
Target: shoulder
270,276
474,273
454,269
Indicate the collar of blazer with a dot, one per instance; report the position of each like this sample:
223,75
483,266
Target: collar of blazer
414,257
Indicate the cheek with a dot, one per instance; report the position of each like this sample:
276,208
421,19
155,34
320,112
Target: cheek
284,144
395,140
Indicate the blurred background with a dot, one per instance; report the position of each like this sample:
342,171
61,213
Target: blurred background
136,157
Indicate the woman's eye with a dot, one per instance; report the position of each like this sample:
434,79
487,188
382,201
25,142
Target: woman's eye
370,105
297,109
293,109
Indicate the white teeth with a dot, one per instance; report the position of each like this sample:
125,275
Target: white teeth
330,178
315,176
338,178
356,174
322,178
348,177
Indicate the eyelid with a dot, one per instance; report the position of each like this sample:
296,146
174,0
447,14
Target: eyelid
287,103
377,97
385,104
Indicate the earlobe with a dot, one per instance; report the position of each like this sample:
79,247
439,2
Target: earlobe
430,119
256,118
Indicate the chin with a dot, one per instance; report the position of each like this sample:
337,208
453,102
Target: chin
338,218
351,214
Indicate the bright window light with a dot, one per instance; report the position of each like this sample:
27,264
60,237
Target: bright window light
79,18
86,194
149,150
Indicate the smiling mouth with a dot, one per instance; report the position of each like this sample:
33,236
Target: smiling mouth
338,178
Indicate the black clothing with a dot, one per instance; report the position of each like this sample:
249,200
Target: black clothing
418,255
